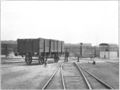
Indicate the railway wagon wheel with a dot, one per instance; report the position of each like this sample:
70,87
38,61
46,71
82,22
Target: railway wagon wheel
56,59
41,60
28,59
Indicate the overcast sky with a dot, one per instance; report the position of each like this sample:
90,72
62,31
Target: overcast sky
71,21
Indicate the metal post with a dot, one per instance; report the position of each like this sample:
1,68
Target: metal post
81,50
108,52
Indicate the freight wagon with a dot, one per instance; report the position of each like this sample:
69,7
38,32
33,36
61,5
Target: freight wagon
41,48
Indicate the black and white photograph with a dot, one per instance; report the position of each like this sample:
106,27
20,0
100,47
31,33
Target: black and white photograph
59,45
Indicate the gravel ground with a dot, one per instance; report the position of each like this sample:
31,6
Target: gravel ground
15,74
105,71
21,76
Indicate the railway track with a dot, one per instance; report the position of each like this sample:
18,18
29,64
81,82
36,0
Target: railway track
73,76
67,81
94,82
51,81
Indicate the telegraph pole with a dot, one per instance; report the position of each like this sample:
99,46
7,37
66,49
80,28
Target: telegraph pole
81,50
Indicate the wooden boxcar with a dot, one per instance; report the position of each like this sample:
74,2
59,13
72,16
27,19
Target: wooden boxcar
62,47
42,48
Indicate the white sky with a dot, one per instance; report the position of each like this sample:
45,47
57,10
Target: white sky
71,21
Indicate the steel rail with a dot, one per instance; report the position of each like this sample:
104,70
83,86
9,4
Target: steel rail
86,80
50,79
62,77
98,79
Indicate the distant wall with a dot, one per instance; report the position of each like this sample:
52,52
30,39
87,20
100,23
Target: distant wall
106,51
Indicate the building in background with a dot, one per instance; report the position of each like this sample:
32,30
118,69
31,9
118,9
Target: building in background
87,50
97,51
104,50
113,51
108,51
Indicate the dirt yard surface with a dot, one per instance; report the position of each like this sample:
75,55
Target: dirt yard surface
108,71
15,74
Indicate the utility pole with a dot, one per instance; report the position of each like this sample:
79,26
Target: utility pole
80,51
